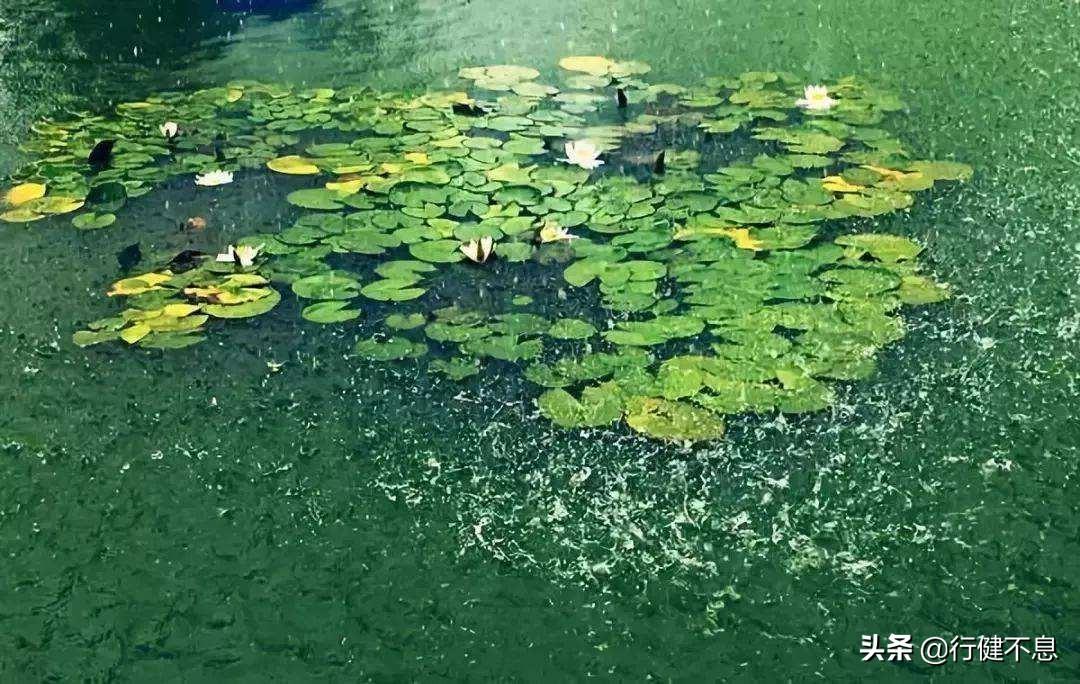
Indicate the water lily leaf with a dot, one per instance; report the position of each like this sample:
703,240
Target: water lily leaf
942,170
92,221
293,165
21,215
392,349
391,290
657,331
887,248
86,338
859,282
515,251
363,242
315,198
592,65
456,369
672,420
245,309
23,193
107,197
437,251
504,347
333,285
405,321
404,270
599,405
55,204
917,290
329,312
571,329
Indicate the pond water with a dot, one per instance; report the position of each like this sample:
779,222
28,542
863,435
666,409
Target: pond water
269,504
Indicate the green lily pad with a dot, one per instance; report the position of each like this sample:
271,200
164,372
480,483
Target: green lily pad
392,349
92,221
456,369
571,329
437,251
392,290
599,405
672,420
329,312
333,285
405,321
315,198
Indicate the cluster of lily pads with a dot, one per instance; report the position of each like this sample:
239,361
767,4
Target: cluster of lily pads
702,217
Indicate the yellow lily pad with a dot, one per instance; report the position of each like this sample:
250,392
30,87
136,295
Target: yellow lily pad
23,193
56,204
22,215
838,184
591,64
293,165
179,310
347,187
139,284
134,333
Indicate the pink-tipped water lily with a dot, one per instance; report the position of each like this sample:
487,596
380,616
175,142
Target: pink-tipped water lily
583,153
816,98
169,129
213,178
478,251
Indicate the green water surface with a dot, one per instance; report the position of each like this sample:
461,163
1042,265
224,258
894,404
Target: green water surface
202,515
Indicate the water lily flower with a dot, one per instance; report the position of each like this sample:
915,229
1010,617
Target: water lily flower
816,98
553,232
243,255
228,256
583,153
478,251
213,178
169,129
246,254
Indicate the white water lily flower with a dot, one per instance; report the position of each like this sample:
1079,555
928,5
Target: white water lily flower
583,153
478,251
243,255
553,232
214,178
816,98
246,254
169,129
228,256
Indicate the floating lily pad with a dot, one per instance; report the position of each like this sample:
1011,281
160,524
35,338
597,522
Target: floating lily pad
405,321
599,405
92,221
392,290
672,420
246,309
333,285
329,312
571,329
437,251
392,349
315,198
293,165
456,369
